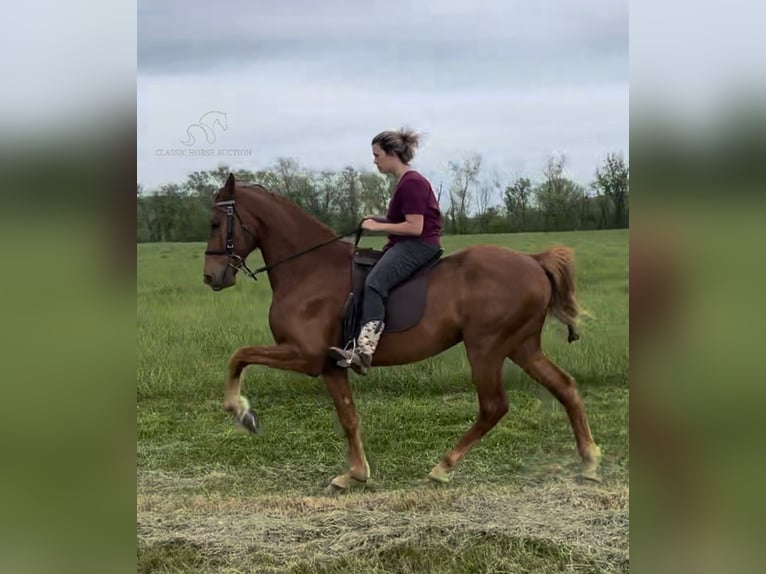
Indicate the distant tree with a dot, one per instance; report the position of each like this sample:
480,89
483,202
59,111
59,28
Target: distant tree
613,183
326,191
180,212
286,172
243,176
374,193
465,174
202,183
265,178
485,196
517,199
440,193
168,212
349,203
558,197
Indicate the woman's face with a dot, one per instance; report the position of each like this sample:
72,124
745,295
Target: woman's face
384,161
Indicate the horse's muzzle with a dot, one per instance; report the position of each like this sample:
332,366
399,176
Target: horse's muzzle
216,282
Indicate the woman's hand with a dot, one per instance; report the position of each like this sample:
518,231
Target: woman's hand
372,225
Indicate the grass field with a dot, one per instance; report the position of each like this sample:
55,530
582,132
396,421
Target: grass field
212,499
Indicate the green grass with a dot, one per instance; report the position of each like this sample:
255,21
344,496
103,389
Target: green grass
411,415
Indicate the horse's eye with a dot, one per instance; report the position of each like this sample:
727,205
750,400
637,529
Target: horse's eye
215,225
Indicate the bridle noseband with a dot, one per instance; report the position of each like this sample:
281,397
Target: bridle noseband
235,260
238,263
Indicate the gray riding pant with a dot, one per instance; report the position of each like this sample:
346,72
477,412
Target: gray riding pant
397,264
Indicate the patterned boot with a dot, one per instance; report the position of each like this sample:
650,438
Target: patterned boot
360,359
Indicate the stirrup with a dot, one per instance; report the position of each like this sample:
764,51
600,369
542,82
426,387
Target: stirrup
347,362
346,354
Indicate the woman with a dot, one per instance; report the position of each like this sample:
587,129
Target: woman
413,223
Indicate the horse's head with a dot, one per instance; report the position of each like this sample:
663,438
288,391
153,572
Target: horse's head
230,240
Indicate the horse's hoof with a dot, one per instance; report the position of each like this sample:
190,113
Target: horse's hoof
436,480
248,420
591,463
590,476
333,490
439,474
344,483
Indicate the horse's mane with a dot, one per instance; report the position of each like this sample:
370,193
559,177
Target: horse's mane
289,205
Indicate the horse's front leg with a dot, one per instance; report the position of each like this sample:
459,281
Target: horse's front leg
358,469
285,357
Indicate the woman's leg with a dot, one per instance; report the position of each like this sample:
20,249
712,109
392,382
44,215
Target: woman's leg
398,264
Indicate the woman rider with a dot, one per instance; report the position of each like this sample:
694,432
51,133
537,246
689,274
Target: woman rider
413,224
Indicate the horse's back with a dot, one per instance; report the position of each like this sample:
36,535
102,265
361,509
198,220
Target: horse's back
493,261
494,275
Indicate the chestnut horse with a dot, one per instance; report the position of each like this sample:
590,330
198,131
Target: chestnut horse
495,300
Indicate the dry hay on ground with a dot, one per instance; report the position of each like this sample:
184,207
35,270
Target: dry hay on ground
590,520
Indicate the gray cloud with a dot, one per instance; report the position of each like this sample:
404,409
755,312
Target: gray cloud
513,81
177,37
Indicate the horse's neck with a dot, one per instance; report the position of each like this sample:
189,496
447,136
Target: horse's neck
285,232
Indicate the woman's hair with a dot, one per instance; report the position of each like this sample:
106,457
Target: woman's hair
401,142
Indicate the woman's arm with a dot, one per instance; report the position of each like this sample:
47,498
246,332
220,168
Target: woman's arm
412,225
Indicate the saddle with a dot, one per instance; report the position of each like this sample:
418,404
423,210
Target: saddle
405,303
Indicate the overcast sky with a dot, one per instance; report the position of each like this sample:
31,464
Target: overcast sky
512,80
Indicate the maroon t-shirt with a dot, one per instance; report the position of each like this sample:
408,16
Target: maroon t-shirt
414,196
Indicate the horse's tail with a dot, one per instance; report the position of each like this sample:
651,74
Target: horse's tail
558,264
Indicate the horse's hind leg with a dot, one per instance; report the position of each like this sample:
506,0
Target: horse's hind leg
562,386
487,374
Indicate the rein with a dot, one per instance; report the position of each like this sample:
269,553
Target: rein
238,263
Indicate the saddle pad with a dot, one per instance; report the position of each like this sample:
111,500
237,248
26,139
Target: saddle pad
406,301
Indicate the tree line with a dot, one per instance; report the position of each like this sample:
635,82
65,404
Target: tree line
471,201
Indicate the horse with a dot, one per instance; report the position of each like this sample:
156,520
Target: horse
492,299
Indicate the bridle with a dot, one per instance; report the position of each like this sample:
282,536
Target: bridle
235,260
238,263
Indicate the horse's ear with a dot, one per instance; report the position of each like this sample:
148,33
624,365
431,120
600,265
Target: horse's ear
229,185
